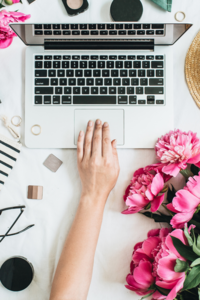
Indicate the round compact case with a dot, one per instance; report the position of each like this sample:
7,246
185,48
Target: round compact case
74,12
16,274
126,10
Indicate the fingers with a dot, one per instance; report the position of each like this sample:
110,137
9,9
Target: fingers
97,138
107,149
114,151
88,140
80,143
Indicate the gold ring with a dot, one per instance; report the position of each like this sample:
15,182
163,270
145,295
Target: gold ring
18,124
180,12
34,127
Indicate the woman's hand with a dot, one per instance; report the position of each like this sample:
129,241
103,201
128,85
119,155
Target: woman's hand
97,161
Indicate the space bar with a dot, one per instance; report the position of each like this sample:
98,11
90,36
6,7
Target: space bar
94,100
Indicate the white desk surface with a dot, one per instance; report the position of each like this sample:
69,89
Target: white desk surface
53,216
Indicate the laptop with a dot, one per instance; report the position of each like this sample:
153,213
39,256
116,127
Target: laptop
121,73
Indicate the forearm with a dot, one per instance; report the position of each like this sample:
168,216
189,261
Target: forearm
76,262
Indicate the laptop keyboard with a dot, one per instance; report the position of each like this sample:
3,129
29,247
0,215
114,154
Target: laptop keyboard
99,79
100,30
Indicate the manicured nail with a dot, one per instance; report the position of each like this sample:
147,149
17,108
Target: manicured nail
90,123
115,144
98,122
81,133
105,124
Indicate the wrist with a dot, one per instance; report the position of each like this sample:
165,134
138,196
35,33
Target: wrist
93,200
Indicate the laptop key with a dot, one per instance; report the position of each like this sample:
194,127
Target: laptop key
85,57
146,26
39,57
150,99
61,73
122,100
159,73
150,32
128,64
77,90
47,99
89,81
56,64
81,81
67,90
132,99
119,26
159,57
159,101
94,90
141,73
66,32
83,64
105,99
113,57
131,32
156,81
76,32
112,90
141,32
44,90
137,26
48,57
103,32
101,26
110,26
38,32
65,26
58,90
88,73
128,26
113,32
70,73
135,81
146,64
119,64
63,81
123,73
97,73
125,81
150,73
72,81
56,99
66,57
56,26
143,81
122,57
107,81
94,32
121,90
92,26
52,73
132,73
54,81
83,26
57,32
38,99
139,90
137,64
103,57
103,90
79,73
65,64
99,81
38,26
156,64
117,81
157,26
130,90
42,81
85,90
151,57
48,32
74,64
38,64
110,64
92,64
66,99
105,73
141,101
122,32
47,64
154,90
114,73
85,32
131,57
94,57
101,64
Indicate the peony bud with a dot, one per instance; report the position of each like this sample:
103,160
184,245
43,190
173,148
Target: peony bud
10,2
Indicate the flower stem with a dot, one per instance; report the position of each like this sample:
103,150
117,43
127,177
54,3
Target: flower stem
169,211
190,292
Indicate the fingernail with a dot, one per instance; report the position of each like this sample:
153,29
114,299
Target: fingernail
98,122
115,144
90,123
81,133
105,124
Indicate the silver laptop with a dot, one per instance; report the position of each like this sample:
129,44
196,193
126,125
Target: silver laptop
121,73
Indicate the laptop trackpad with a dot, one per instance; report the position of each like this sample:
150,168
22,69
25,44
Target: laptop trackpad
115,118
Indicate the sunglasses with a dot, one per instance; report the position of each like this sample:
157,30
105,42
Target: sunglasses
16,273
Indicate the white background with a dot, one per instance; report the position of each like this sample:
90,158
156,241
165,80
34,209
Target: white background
53,215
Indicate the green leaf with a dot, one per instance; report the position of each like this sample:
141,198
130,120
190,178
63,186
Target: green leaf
195,170
184,250
195,262
164,292
1,5
189,238
198,241
158,218
181,266
148,295
171,194
193,278
186,173
196,249
199,293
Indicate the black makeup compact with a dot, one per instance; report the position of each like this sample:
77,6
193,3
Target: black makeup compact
16,274
75,7
126,10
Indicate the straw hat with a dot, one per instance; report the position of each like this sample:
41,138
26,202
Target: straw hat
192,69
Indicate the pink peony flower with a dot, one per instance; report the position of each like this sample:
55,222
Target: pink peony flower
158,250
185,203
176,149
144,189
6,33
